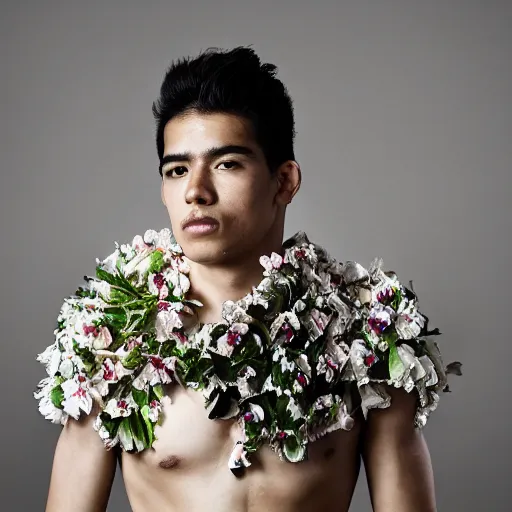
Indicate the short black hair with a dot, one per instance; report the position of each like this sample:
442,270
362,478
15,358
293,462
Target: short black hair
234,82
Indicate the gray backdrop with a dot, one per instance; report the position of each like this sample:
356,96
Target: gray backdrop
404,125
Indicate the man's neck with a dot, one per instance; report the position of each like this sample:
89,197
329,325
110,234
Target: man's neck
213,285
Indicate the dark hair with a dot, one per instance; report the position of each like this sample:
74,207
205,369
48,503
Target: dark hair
235,82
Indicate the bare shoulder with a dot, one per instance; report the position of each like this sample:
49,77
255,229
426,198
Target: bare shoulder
83,469
399,416
396,457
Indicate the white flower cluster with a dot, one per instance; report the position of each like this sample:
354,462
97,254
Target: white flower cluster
326,328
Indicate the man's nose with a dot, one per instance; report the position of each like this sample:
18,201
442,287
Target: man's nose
200,189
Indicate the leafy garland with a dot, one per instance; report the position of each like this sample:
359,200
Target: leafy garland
284,362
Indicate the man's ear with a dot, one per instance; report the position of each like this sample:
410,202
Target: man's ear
289,178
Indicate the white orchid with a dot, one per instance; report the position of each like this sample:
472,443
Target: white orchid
109,264
179,282
228,341
100,287
273,263
138,265
51,358
76,396
120,407
103,339
104,434
155,408
166,323
409,321
46,406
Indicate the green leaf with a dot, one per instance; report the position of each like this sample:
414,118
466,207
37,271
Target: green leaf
112,425
149,425
118,296
390,337
333,410
116,318
133,359
125,434
126,285
201,372
281,412
106,276
222,364
249,347
367,338
140,397
157,262
89,360
158,390
57,396
138,428
293,449
317,348
397,299
262,331
253,430
117,280
396,367
59,379
134,318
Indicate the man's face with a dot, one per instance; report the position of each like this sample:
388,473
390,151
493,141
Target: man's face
213,167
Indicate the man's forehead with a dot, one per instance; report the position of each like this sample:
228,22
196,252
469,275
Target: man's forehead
197,136
216,125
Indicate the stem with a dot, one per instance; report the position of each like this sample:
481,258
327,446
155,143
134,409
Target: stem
124,290
123,305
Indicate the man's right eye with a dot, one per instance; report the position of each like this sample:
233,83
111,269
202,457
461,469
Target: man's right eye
178,171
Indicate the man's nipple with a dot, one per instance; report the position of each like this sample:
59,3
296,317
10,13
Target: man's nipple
169,462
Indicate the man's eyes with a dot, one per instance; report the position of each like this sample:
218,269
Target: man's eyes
231,162
180,170
169,172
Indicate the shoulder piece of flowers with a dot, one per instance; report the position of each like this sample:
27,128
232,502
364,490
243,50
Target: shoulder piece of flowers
291,361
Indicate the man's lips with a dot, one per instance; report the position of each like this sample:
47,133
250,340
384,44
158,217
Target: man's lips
200,225
199,221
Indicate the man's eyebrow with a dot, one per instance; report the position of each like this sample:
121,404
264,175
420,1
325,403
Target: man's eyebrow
209,153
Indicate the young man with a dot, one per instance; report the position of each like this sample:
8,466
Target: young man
225,133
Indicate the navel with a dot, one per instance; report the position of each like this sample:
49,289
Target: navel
169,462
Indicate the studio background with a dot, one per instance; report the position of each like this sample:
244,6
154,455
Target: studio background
403,118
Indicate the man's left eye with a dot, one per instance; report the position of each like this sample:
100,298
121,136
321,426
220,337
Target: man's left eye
230,163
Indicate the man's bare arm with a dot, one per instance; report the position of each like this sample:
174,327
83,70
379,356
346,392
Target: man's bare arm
83,470
396,458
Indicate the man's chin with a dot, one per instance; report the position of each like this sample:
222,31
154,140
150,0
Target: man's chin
206,252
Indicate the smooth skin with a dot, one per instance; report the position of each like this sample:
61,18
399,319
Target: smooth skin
214,167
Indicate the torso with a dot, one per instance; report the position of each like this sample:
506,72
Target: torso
187,467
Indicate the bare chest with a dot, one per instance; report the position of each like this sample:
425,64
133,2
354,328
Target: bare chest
191,452
188,439
186,434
